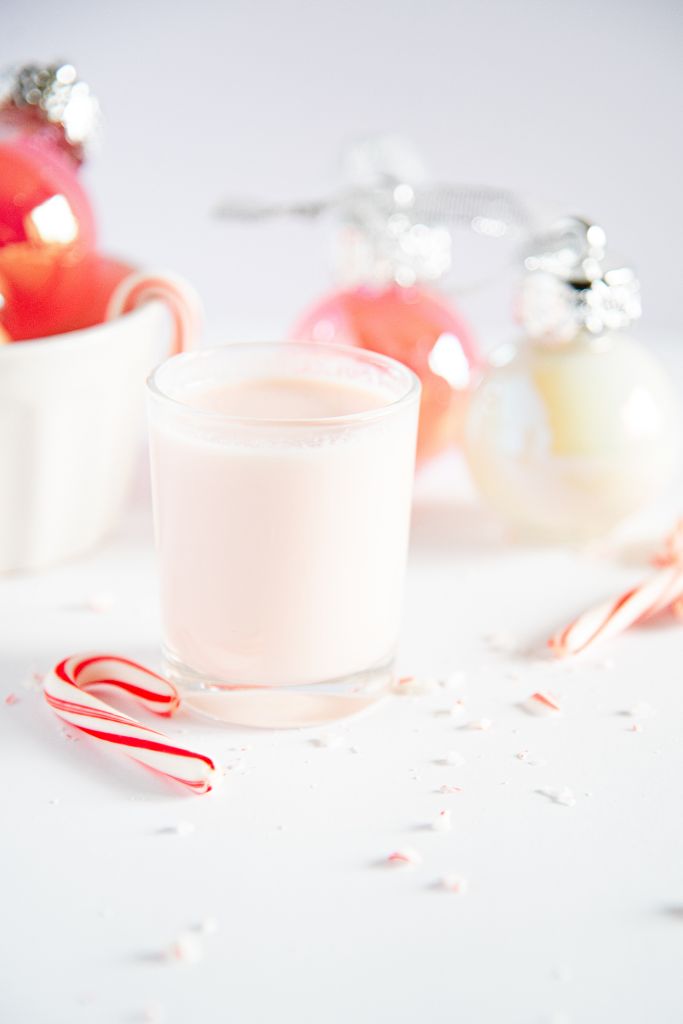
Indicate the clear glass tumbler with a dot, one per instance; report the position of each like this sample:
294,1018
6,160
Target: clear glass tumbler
282,479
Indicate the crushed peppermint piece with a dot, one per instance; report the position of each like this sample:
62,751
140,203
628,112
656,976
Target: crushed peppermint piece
453,679
187,948
34,681
413,686
636,727
327,740
208,926
442,822
446,788
11,698
405,857
542,703
457,708
533,762
452,758
563,796
455,884
480,724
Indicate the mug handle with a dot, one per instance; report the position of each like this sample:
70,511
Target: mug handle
181,298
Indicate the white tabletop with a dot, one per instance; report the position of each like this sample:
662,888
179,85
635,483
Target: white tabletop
572,912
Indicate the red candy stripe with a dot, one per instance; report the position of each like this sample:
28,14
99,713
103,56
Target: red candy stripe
179,296
66,691
663,590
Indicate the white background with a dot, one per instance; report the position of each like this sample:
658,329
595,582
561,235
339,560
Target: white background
573,914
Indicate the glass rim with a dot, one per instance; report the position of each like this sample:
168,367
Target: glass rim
359,355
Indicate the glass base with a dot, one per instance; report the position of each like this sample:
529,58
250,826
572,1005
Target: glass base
369,680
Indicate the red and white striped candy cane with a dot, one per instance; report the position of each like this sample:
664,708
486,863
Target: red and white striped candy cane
181,298
659,592
66,691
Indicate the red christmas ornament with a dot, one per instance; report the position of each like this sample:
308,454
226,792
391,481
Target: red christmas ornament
49,293
42,201
419,328
394,247
46,220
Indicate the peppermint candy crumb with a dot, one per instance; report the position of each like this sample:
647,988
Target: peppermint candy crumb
442,822
453,759
327,741
542,704
564,796
208,926
405,857
413,686
455,884
187,948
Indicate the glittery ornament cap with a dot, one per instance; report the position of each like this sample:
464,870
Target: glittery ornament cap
569,286
386,235
54,93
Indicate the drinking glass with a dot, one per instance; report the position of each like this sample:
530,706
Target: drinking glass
281,539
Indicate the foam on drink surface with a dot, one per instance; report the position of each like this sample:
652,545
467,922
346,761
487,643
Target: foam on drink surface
283,398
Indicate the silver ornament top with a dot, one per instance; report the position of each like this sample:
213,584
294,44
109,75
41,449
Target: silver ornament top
570,288
398,226
395,225
55,94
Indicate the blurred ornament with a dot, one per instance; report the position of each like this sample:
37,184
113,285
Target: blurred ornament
47,118
574,427
4,334
415,326
395,236
71,294
391,252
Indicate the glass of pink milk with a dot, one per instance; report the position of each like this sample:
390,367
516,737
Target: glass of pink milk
282,476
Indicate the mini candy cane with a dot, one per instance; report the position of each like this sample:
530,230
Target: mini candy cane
66,691
661,591
179,296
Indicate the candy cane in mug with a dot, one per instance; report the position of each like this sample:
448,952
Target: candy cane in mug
180,297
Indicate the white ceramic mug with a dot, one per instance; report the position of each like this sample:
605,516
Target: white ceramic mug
71,411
